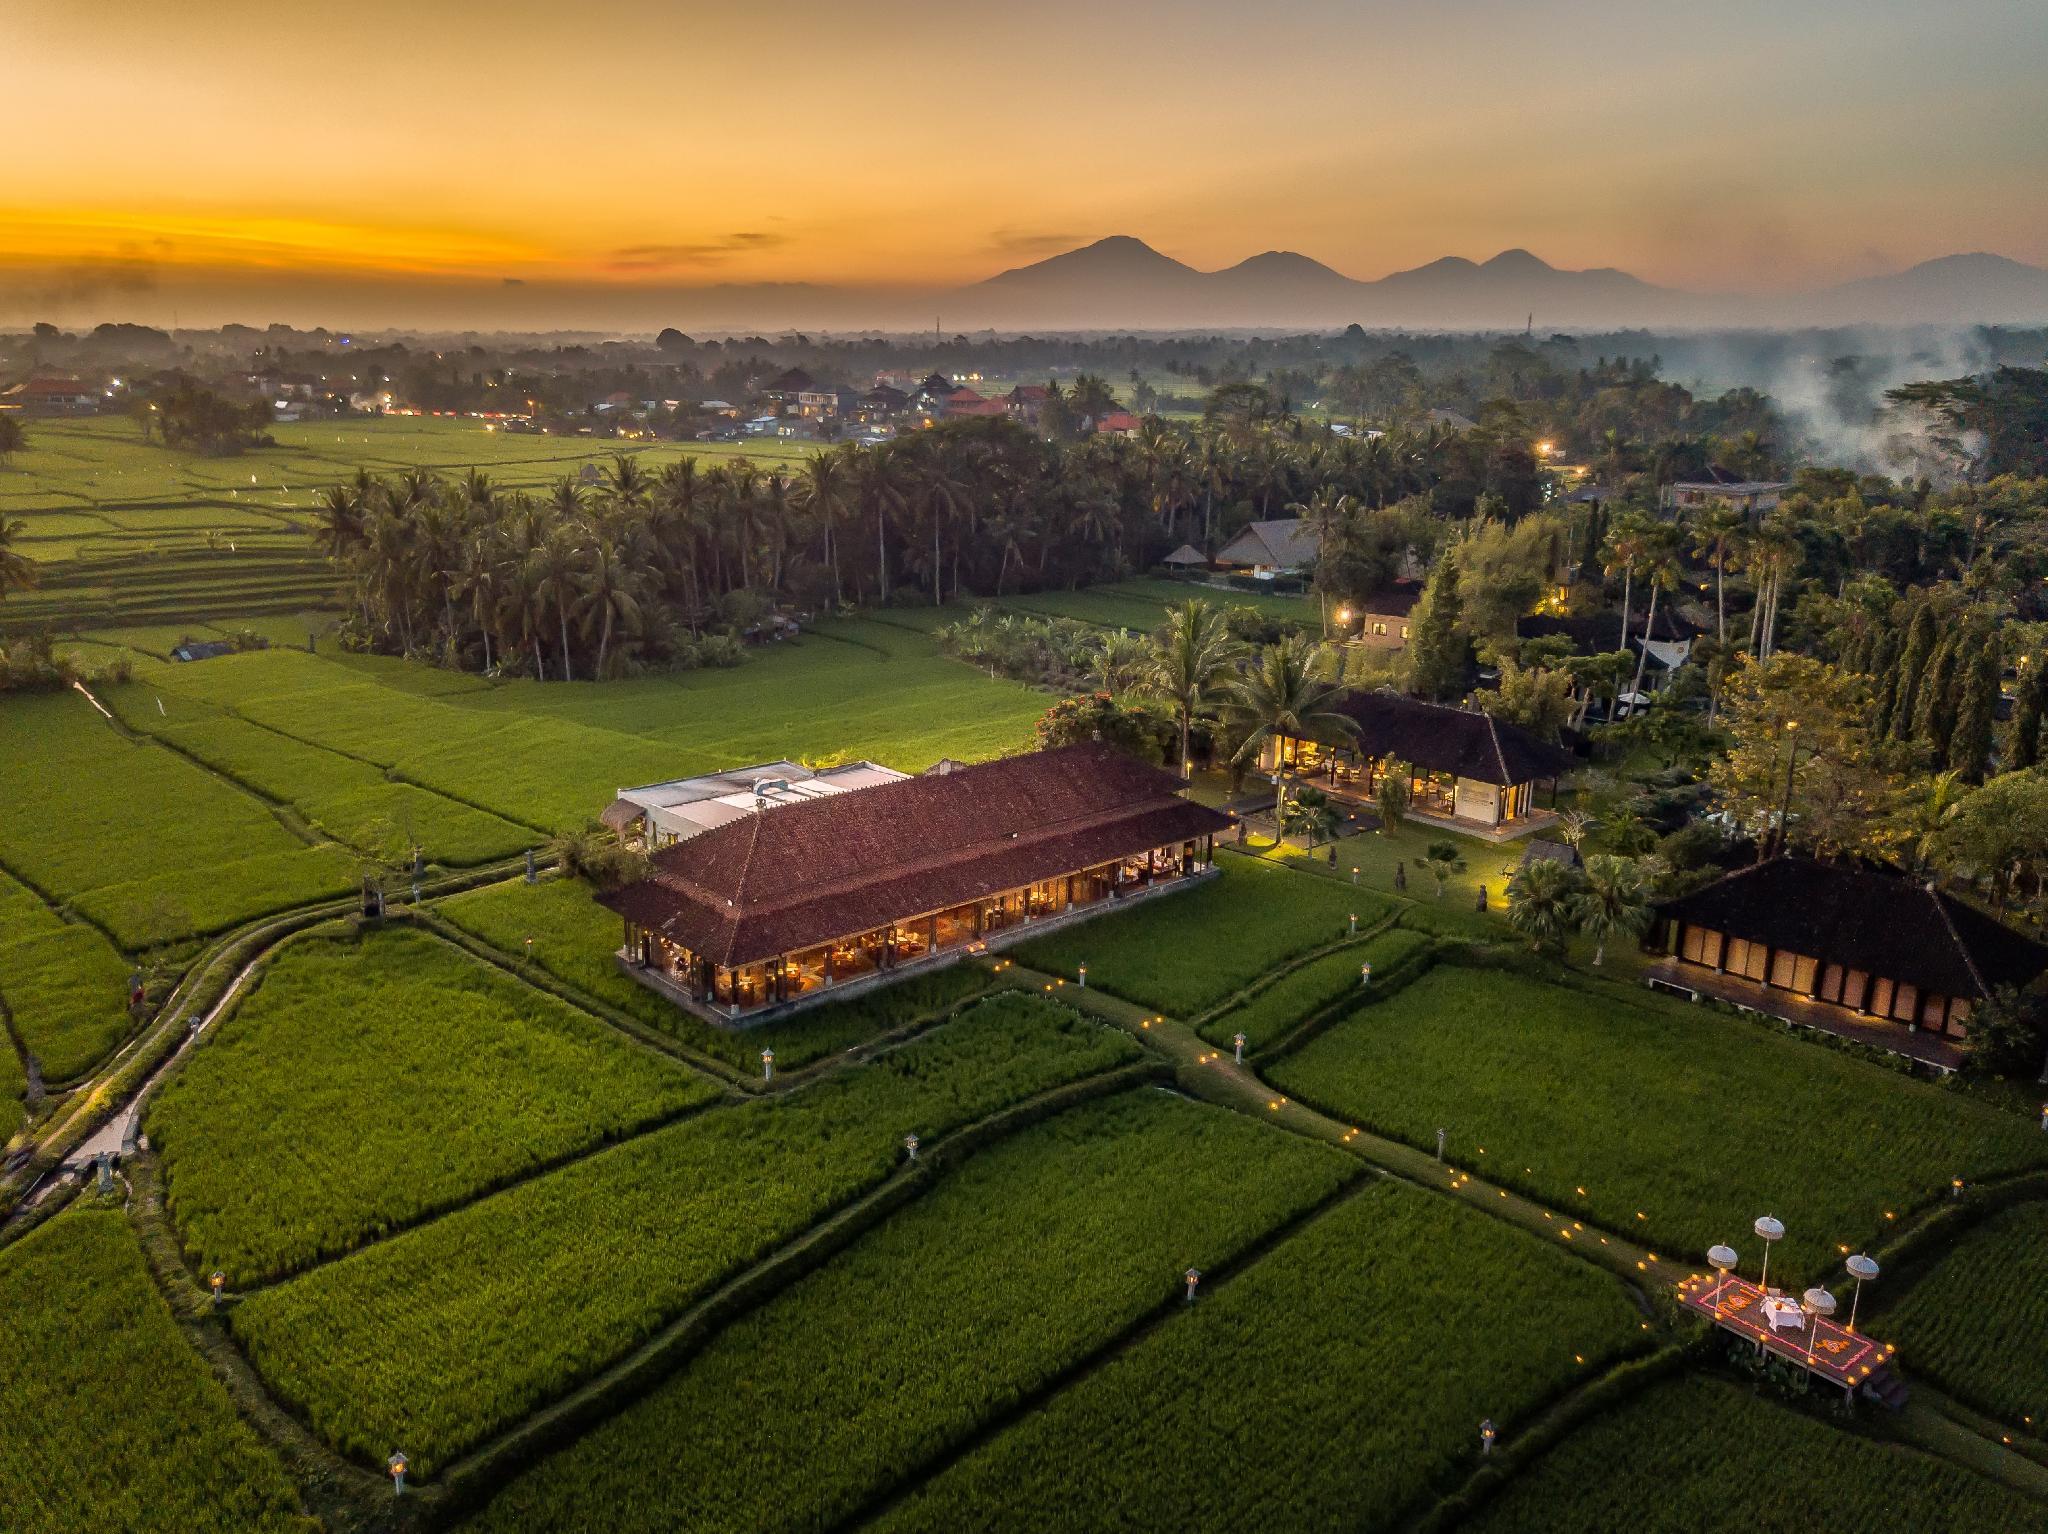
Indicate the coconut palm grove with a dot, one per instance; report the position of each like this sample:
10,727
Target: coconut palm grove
701,832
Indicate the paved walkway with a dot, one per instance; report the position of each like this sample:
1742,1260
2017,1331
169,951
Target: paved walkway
1805,1012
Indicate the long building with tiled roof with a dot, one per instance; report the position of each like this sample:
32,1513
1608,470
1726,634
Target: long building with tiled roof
801,900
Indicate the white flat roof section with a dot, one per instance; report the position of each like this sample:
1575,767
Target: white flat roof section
686,807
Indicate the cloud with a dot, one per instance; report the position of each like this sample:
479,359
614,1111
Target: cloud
1024,242
512,282
76,284
661,258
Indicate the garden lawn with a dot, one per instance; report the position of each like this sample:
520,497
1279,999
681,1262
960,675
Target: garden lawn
63,984
1977,1323
1189,949
113,1421
1020,1263
367,1083
1269,1015
1337,1337
147,844
574,939
1696,1454
451,1332
1670,1123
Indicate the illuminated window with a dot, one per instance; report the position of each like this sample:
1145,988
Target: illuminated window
1905,1000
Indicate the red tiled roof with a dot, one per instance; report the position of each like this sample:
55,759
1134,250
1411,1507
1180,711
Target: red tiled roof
797,875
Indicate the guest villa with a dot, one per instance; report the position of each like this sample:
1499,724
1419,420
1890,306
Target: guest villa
1463,767
803,897
1865,955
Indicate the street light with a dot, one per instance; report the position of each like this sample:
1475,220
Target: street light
1769,1230
1721,1259
1863,1269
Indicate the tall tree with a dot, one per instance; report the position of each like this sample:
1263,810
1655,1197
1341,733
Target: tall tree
1281,697
1190,662
1436,640
1613,901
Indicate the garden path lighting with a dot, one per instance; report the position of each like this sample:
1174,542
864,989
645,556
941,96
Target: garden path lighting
396,1465
1486,1436
1238,1040
1194,1278
1441,1136
1956,1187
1816,1303
1365,974
1768,1230
1721,1259
1354,873
218,1282
767,1065
1354,924
1863,1269
1083,973
910,1146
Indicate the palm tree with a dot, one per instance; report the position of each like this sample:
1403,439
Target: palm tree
1189,663
1660,573
1281,697
1114,656
1928,819
1613,901
1623,551
1542,902
1714,533
607,594
556,565
827,494
878,486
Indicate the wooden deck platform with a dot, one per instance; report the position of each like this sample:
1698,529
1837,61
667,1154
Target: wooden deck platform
1696,980
1829,1350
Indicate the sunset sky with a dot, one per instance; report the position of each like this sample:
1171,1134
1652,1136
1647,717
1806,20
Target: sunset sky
226,159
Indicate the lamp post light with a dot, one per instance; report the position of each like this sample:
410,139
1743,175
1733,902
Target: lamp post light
1354,925
910,1146
1721,1259
1354,873
1768,1230
767,1065
529,950
1863,1269
1238,1040
1956,1188
1816,1303
1486,1436
217,1283
1194,1278
396,1465
1365,974
1083,973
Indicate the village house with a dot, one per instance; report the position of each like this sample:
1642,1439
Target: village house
1115,423
1285,546
1751,497
792,902
1382,618
782,390
1026,402
1866,955
964,402
47,396
1462,767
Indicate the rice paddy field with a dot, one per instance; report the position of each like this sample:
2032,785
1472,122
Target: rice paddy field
113,1421
365,1084
130,532
63,985
510,1300
1667,1122
1032,1255
1941,1326
1697,1454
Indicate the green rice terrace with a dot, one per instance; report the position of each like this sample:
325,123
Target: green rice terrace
1017,1242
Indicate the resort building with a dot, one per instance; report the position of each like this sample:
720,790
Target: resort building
1463,767
660,814
795,902
1860,954
1724,487
1286,546
1383,617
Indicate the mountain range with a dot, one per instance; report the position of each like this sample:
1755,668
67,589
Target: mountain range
1124,283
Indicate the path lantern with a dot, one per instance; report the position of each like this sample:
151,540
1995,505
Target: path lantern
396,1465
910,1146
1238,1040
218,1282
767,1065
1955,1186
1082,972
1194,1278
1354,873
1365,974
1863,1269
1768,1230
1486,1436
1721,1259
1817,1303
1441,1136
1354,924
